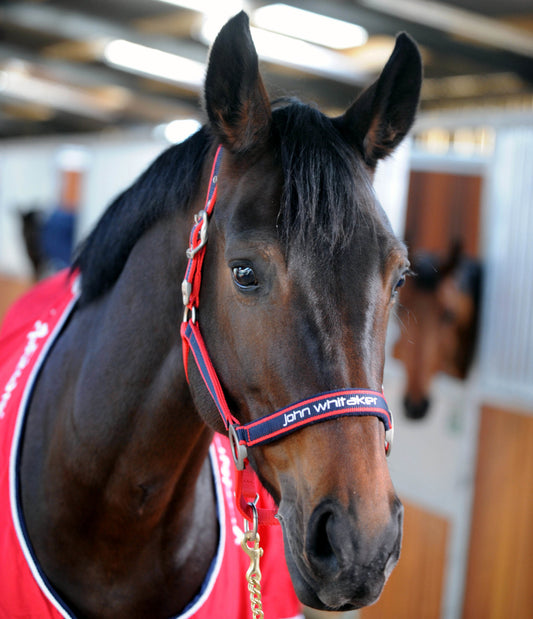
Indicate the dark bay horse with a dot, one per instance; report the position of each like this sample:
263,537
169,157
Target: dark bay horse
300,274
439,313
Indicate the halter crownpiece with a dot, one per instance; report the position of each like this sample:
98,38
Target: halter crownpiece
272,427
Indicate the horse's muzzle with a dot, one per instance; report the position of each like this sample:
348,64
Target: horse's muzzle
416,409
341,567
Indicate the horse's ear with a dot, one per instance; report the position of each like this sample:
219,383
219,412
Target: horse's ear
235,97
453,259
381,116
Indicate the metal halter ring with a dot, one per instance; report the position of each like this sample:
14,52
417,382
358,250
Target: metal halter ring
389,436
255,520
239,452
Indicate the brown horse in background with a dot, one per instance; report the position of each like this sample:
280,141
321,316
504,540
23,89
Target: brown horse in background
439,315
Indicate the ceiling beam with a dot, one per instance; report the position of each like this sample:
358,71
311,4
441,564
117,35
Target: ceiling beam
458,22
74,26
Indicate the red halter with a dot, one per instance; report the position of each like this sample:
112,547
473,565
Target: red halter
352,402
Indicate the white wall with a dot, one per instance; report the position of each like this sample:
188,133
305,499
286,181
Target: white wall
507,345
391,183
115,164
29,178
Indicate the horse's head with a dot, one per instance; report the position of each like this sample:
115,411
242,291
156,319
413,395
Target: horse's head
300,275
439,312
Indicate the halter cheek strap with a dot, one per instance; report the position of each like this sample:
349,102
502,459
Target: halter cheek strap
272,427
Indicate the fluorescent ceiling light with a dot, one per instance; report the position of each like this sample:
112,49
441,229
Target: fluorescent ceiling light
57,96
192,5
154,62
309,26
302,55
178,130
232,7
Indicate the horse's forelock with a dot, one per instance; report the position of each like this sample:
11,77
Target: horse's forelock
327,191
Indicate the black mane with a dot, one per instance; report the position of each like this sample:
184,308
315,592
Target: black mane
166,185
324,187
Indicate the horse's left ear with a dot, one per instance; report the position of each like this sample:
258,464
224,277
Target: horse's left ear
235,97
381,116
453,259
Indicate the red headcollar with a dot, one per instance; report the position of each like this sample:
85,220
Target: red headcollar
352,402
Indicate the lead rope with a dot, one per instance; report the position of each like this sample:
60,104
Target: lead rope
253,574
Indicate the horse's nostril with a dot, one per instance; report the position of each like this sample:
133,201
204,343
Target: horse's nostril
322,550
322,543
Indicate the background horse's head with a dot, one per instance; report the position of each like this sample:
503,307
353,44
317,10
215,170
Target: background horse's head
439,316
300,275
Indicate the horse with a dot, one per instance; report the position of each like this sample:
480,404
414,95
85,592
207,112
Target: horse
48,239
299,272
439,314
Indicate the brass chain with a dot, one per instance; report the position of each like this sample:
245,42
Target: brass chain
253,574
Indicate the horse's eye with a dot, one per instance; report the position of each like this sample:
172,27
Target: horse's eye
447,316
400,283
244,277
397,286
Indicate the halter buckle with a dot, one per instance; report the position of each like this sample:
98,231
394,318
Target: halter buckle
186,289
203,217
239,451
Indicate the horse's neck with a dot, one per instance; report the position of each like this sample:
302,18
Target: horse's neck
127,455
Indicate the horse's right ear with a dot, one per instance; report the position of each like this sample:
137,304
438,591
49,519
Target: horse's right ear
379,119
235,97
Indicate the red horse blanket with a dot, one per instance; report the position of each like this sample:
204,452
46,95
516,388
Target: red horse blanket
30,329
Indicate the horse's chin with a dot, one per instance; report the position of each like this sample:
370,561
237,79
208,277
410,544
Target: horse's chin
323,593
331,597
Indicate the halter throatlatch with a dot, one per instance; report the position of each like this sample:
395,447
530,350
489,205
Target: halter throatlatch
318,408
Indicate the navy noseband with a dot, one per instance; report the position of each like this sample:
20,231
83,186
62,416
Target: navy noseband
322,407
